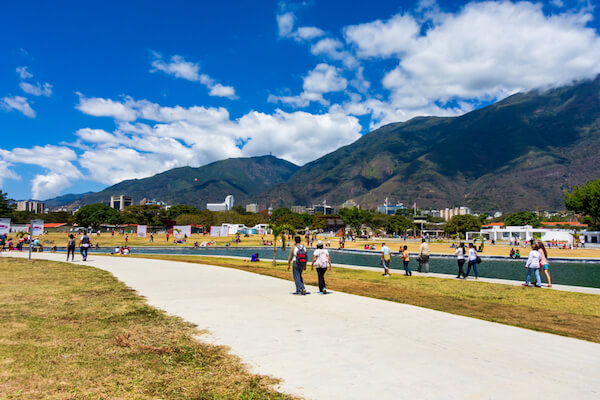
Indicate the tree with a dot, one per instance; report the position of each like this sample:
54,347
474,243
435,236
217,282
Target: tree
355,217
278,212
189,219
522,218
291,219
95,215
6,208
144,214
585,199
463,224
179,209
280,230
397,224
319,222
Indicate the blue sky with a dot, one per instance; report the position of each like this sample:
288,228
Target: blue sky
94,94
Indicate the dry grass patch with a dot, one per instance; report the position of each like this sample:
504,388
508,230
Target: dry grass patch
73,332
564,313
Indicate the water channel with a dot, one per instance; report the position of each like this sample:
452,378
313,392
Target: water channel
565,272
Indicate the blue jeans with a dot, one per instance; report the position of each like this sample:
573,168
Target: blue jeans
406,269
474,265
297,269
84,251
537,276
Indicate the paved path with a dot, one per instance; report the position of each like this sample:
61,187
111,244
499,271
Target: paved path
341,346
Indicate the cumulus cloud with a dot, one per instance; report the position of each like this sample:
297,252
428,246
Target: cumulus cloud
37,89
486,51
178,67
179,136
57,162
17,103
99,107
322,79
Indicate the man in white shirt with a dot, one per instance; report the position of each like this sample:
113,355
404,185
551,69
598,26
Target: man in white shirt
424,256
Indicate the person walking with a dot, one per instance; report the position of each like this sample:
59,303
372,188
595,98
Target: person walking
544,262
321,260
71,247
386,259
298,258
533,266
460,259
424,256
406,260
85,243
472,261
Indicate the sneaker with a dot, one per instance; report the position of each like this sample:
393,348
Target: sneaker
324,291
524,284
303,292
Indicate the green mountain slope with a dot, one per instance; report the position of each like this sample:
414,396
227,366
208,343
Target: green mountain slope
241,177
519,153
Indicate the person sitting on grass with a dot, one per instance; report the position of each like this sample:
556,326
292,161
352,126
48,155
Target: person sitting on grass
517,254
512,253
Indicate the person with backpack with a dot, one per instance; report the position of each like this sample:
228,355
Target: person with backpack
85,244
71,247
322,261
298,258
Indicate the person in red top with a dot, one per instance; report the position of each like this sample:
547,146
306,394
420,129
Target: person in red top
167,236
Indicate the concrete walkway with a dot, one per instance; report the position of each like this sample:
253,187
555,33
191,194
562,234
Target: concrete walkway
341,346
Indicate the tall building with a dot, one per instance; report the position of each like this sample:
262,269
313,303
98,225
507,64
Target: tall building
120,202
350,204
36,207
252,208
298,209
448,213
224,206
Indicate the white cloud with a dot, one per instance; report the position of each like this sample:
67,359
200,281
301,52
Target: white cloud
285,25
334,50
180,68
196,136
99,107
37,89
5,170
23,73
56,160
17,103
322,79
486,51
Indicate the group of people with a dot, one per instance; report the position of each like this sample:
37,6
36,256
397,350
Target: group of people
515,253
84,244
469,256
298,261
537,259
123,250
422,259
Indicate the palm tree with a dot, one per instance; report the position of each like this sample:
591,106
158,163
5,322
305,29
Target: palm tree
280,230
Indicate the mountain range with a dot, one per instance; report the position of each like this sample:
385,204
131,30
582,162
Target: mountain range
520,153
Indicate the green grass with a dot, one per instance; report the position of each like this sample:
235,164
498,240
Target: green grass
74,332
565,313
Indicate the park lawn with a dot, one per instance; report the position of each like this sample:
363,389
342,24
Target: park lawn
75,332
564,313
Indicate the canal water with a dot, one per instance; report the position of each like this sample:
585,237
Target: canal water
571,272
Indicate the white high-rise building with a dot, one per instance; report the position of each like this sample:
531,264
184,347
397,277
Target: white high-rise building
224,206
448,213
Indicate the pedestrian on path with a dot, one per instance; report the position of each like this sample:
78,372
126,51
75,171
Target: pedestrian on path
472,261
460,259
321,260
533,266
85,243
71,247
544,262
386,259
298,258
406,260
424,253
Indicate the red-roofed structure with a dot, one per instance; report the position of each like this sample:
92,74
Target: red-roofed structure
571,224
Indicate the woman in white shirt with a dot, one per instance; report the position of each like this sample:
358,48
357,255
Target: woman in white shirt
321,260
472,261
533,265
460,259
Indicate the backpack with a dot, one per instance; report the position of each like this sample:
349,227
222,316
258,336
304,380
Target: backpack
301,255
